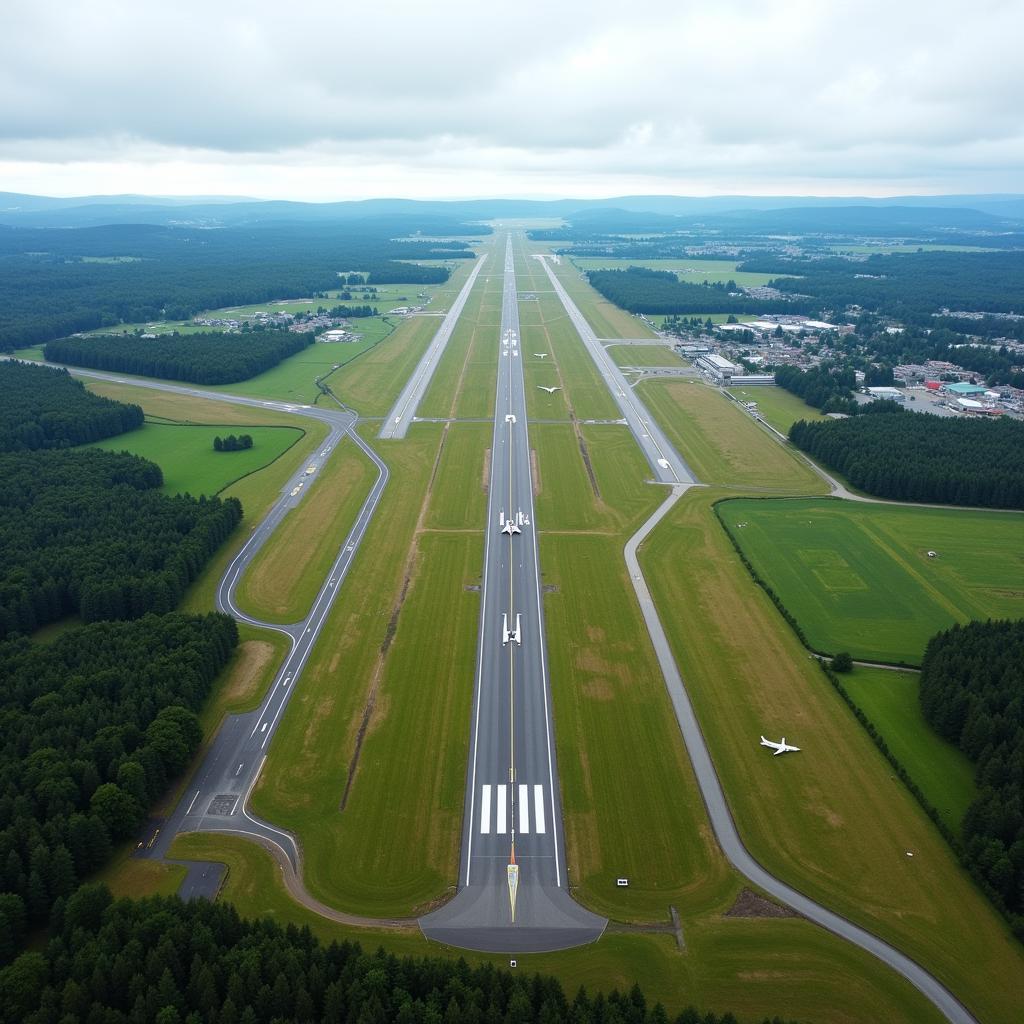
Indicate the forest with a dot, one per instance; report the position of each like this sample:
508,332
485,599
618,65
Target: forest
160,960
95,725
972,693
907,286
824,387
55,282
909,456
45,407
87,532
640,290
204,358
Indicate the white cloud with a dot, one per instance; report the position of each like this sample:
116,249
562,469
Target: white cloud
329,100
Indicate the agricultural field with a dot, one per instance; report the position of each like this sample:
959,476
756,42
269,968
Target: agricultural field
721,442
645,355
778,406
942,771
284,578
688,271
832,820
186,455
858,577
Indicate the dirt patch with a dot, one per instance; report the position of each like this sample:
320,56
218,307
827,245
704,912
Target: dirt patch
486,480
473,588
595,634
252,658
586,462
750,904
598,689
389,633
535,471
550,588
590,661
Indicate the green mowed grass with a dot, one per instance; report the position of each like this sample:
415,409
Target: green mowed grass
688,271
857,576
832,821
282,581
459,497
186,455
721,443
747,966
890,700
644,355
778,406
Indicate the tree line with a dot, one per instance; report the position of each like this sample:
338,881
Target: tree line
972,693
49,290
88,532
232,443
95,726
204,358
640,290
909,456
908,286
825,387
44,407
164,961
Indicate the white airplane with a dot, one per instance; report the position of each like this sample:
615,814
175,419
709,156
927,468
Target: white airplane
510,527
779,748
550,391
516,634
541,355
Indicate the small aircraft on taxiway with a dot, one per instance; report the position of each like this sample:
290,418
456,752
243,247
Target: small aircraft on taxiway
550,391
778,748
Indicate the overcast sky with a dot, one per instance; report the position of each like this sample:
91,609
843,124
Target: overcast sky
342,100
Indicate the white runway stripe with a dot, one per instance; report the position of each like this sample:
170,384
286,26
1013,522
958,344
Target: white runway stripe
524,809
502,810
485,810
538,809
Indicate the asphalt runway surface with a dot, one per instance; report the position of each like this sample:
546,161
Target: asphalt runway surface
397,421
513,894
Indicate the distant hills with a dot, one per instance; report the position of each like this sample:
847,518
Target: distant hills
952,212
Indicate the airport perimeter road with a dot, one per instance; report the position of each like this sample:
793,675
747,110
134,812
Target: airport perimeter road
667,463
396,423
217,796
513,892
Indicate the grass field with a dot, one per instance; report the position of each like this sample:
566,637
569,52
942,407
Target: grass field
459,500
778,406
284,578
368,692
832,821
688,271
721,443
644,355
857,576
890,701
186,455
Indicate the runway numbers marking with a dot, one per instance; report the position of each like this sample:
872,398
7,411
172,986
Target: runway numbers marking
498,796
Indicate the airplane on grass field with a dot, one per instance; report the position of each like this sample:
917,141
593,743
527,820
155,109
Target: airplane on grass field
541,355
778,748
550,391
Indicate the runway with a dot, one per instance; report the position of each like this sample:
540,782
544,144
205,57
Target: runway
397,421
513,889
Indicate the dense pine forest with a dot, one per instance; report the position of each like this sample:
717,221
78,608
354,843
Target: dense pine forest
206,358
972,692
159,960
910,456
640,290
95,725
54,282
87,532
909,286
48,408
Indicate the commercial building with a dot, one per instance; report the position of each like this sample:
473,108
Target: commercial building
964,390
718,367
889,394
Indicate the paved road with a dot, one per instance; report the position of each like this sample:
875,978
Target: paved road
513,891
667,464
396,423
721,818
